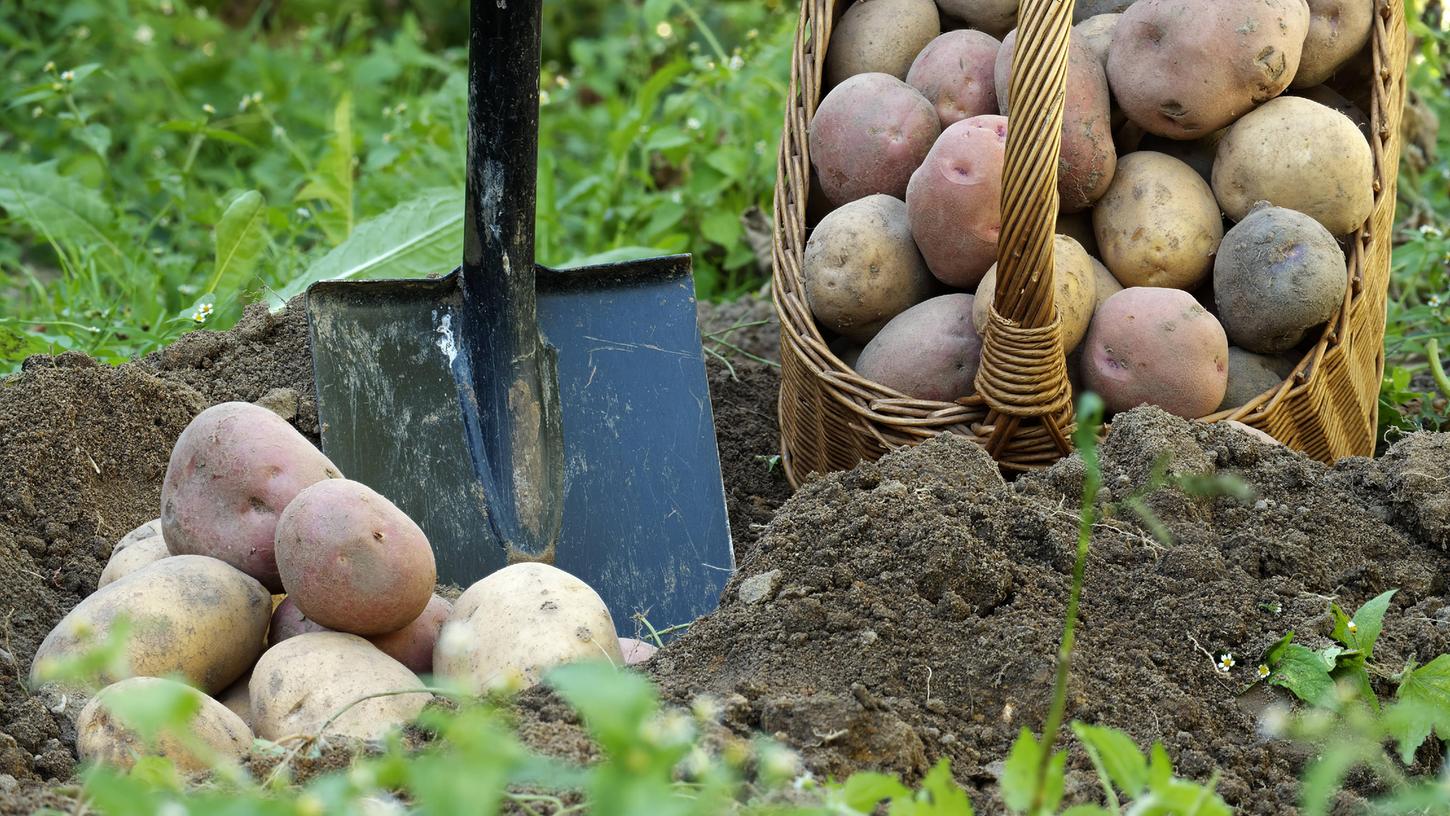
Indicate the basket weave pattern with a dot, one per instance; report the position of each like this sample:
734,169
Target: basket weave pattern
831,418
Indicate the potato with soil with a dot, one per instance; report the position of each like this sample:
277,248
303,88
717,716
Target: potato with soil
1158,224
1338,29
929,352
289,622
509,628
139,548
1088,158
1185,68
1096,34
1074,291
861,268
880,36
304,681
1088,9
1279,274
1154,346
1298,154
996,17
955,72
954,200
1250,375
103,736
352,561
413,645
868,135
233,471
189,615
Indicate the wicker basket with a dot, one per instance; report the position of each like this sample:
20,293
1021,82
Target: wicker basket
831,418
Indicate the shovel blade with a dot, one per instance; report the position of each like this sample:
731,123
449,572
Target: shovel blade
644,519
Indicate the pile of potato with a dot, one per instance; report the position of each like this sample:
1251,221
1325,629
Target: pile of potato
250,508
1207,179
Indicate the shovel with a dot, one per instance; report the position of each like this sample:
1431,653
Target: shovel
520,413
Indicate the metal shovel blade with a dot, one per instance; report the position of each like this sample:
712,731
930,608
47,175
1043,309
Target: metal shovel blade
643,517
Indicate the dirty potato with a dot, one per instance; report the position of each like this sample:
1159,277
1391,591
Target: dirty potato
880,36
103,735
930,351
955,72
1074,291
868,135
1159,224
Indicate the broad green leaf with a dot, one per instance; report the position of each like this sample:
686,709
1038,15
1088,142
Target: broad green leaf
1276,652
1356,677
239,238
721,227
332,181
1303,672
1182,798
1019,772
939,796
1160,767
1087,810
1427,689
655,11
1369,622
1323,779
1125,765
95,136
418,238
614,704
57,207
862,792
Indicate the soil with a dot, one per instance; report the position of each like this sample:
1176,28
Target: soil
883,618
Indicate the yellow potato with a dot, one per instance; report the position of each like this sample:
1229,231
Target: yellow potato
1104,284
102,736
880,36
305,680
137,554
1158,225
189,614
237,698
511,627
1074,294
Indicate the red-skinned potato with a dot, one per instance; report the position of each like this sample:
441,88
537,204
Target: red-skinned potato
1088,158
1151,346
233,471
868,135
1088,9
880,36
1185,68
288,621
954,200
1096,34
955,72
636,651
352,561
930,351
996,17
413,644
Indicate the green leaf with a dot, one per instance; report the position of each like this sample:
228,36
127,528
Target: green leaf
1160,767
57,207
615,704
1087,810
1323,779
417,238
863,791
655,11
1124,764
1303,672
1369,621
95,136
1427,689
612,256
239,238
940,795
332,181
721,227
1275,653
1019,772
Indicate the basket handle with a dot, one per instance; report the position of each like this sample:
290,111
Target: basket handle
1023,375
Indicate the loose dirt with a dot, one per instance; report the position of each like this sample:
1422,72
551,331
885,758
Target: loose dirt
883,618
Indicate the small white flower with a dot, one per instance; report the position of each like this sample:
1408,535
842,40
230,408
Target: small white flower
562,81
50,67
278,131
1263,671
1433,302
806,781
37,112
208,109
1352,627
144,35
82,32
1226,662
56,86
693,124
68,76
752,34
736,62
201,13
664,30
304,213
208,49
202,313
167,8
256,97
543,97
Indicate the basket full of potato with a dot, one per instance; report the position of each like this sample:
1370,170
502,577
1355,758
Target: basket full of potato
984,208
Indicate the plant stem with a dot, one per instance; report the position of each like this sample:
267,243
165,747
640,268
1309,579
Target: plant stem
1089,414
704,30
1437,371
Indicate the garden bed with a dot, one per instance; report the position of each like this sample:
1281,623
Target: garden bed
884,618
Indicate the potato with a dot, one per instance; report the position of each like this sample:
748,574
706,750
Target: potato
509,628
1250,375
1104,284
1279,274
302,682
1334,100
413,644
955,73
288,622
238,698
996,17
190,615
1074,292
880,36
1088,158
1088,9
1338,29
139,553
1198,153
954,200
103,737
1253,432
1159,224
1296,153
636,651
1185,68
352,561
150,529
232,472
861,267
868,135
1154,346
1096,34
930,351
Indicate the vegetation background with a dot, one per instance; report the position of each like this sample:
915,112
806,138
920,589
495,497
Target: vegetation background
164,162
